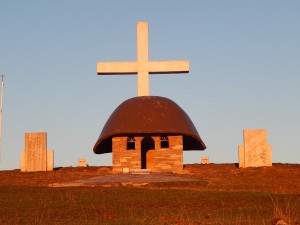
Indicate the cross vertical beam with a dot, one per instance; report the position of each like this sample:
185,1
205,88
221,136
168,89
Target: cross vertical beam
142,58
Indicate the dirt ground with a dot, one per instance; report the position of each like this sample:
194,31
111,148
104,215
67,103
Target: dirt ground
280,178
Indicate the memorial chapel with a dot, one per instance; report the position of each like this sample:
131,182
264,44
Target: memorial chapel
147,132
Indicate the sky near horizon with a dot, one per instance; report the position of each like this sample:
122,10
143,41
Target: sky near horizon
244,72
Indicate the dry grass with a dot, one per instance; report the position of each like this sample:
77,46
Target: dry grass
223,195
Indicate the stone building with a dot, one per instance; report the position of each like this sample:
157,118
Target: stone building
148,132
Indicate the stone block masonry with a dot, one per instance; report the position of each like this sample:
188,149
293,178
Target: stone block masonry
170,159
158,159
123,158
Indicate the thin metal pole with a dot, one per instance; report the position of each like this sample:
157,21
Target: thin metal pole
1,107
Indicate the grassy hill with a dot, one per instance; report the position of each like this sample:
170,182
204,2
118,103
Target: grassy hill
221,194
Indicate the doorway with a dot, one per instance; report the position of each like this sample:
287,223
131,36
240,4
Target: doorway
148,153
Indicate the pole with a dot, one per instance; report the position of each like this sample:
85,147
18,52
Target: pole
1,106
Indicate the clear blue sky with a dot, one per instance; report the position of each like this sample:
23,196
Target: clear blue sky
244,72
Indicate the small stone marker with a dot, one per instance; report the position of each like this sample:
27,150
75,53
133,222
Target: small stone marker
36,157
255,152
82,162
204,160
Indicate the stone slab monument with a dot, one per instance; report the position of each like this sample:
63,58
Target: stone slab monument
255,152
36,157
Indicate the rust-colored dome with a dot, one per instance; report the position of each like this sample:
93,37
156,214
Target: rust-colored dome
149,115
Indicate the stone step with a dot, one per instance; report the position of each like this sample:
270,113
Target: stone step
141,171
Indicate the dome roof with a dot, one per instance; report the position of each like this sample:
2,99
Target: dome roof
148,115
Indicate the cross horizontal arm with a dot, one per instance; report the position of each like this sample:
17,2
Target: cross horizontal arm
110,68
168,66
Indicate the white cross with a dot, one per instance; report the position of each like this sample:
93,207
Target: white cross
142,67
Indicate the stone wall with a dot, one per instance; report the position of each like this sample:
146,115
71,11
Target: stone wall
165,159
169,159
123,158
